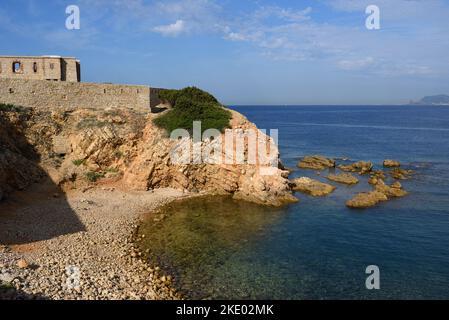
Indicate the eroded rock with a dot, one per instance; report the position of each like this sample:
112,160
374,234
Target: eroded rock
316,163
312,187
362,167
382,192
391,163
393,191
345,178
401,174
366,199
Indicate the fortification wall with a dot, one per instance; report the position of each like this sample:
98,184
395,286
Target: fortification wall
50,95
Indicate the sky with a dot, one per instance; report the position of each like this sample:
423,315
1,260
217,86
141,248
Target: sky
256,52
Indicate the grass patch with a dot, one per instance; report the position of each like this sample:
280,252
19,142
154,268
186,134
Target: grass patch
6,286
112,170
93,176
11,108
189,105
78,162
91,123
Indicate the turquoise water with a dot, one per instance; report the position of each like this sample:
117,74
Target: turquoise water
318,248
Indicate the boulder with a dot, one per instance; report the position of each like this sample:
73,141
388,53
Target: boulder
22,264
345,178
366,199
312,187
381,192
400,174
362,167
393,191
391,163
316,163
376,177
397,185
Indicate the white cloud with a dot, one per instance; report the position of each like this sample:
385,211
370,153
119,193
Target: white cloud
172,30
356,64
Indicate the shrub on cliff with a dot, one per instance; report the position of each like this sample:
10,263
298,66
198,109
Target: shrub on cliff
11,108
191,93
189,105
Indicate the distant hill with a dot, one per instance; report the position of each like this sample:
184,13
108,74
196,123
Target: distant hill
441,99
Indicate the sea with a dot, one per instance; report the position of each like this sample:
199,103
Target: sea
219,248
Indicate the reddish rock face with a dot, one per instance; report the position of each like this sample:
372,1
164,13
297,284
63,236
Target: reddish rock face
123,147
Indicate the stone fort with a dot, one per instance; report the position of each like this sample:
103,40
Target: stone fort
53,82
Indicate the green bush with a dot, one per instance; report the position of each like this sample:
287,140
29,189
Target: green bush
168,96
191,93
192,104
10,108
92,176
78,162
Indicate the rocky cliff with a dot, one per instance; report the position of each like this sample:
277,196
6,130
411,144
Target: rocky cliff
120,148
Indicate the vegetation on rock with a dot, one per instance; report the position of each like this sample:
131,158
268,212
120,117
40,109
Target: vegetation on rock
192,104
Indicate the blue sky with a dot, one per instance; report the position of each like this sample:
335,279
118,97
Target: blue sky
246,52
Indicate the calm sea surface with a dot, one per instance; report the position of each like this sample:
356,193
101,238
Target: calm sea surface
318,248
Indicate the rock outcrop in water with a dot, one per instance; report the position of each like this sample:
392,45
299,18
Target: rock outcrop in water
345,178
81,148
391,163
316,163
362,167
366,199
401,174
312,187
381,192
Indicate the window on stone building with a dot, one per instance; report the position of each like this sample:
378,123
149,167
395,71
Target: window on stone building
52,66
35,67
17,67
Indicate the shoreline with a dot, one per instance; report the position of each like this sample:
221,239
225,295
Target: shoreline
106,254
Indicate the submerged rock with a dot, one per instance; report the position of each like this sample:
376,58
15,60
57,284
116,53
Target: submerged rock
345,178
361,167
313,187
391,163
400,174
316,163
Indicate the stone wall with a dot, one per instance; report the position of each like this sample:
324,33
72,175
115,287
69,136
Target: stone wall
50,95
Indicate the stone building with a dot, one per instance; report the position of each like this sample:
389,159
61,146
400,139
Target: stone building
53,68
53,82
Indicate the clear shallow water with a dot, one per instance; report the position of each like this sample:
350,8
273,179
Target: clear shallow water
318,248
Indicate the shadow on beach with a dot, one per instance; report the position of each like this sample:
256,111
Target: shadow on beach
33,208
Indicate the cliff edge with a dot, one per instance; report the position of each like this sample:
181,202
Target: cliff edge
119,148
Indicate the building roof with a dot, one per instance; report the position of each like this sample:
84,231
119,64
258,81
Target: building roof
38,57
